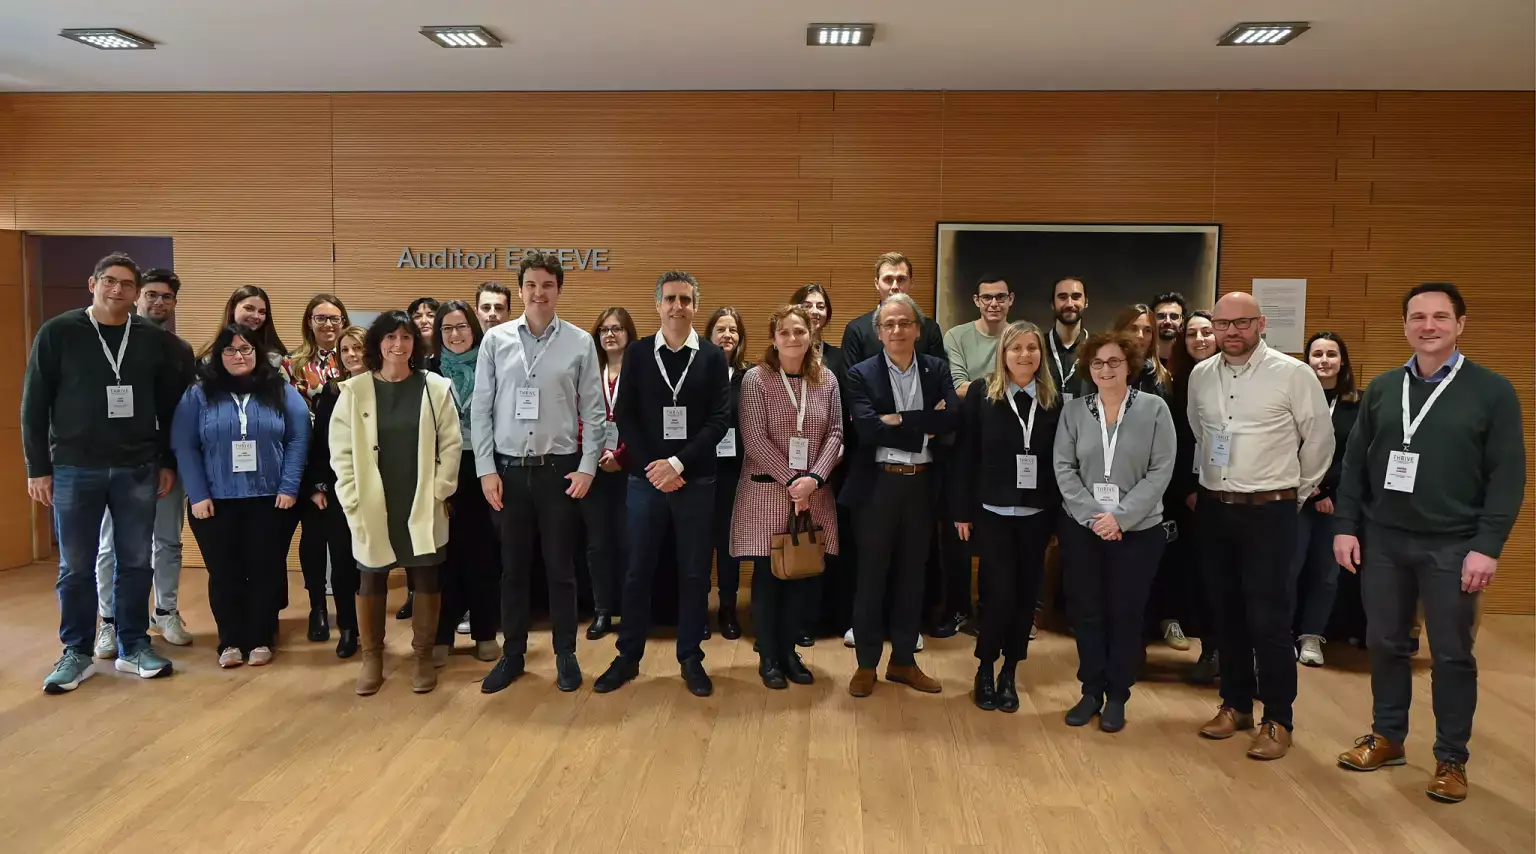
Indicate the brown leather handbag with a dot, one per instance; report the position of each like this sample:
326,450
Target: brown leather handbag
799,551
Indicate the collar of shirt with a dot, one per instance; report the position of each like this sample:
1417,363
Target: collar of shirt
1254,359
895,371
522,323
1444,371
692,341
1014,389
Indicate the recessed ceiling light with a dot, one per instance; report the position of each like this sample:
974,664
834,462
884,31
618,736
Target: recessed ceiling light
465,36
1255,35
839,35
103,38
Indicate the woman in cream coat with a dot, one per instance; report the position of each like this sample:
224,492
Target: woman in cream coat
395,448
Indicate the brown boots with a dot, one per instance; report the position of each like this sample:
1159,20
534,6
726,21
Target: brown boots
423,638
370,634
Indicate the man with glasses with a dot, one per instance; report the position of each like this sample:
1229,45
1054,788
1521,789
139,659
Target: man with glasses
893,275
1168,311
493,302
971,347
157,304
1069,299
100,391
1265,440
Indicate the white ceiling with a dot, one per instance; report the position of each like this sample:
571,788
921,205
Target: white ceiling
352,45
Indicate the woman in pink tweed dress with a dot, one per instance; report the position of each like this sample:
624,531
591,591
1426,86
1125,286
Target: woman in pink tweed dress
791,419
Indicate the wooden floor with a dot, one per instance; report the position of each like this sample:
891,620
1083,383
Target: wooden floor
288,759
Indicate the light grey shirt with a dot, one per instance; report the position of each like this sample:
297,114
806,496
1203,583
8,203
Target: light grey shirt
907,387
1142,466
562,366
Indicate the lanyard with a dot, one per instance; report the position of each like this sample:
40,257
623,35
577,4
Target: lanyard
1412,427
522,350
611,397
240,401
122,347
1056,354
799,405
1029,426
692,353
1331,406
1109,444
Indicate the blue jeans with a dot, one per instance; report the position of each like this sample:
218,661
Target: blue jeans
170,514
1316,572
689,510
80,497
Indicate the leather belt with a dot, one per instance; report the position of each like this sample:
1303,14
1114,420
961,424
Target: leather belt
529,462
893,468
1250,497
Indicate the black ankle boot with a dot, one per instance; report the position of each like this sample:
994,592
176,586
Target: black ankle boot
319,625
346,647
1007,693
602,624
730,627
408,608
773,676
983,693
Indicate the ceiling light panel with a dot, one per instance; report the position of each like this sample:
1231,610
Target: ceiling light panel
461,36
105,38
839,35
1262,35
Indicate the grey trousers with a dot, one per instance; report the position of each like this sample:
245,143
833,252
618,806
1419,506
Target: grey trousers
1399,570
170,513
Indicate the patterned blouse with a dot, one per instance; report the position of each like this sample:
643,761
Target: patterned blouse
310,378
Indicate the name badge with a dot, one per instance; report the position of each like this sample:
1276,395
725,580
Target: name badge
1066,398
1402,471
674,422
1221,449
243,452
1025,476
900,458
119,401
1107,494
527,404
799,453
727,446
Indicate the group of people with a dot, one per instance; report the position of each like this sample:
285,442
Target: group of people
1196,481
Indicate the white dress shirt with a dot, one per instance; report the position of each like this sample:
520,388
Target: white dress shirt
1275,411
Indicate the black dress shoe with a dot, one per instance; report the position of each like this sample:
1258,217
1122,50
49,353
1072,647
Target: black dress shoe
805,641
346,647
567,672
949,627
602,624
796,670
730,627
319,625
767,668
1112,719
408,608
984,693
1083,712
506,671
620,671
1007,693
698,681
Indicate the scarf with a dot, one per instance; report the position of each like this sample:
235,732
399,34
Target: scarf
459,368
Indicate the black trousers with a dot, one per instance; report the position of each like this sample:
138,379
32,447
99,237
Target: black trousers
894,531
954,555
1012,550
607,523
1107,583
470,576
1248,552
246,554
1177,592
840,579
780,608
690,509
1400,570
536,513
727,568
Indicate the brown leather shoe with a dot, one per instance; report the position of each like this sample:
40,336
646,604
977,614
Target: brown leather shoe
1450,783
863,682
1272,742
1371,752
1226,724
913,677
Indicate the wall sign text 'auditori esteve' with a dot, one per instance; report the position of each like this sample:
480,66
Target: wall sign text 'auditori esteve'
508,258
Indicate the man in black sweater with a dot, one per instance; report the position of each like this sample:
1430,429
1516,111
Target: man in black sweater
101,387
1433,478
893,275
672,410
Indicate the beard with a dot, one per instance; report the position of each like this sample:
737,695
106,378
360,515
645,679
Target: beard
1068,316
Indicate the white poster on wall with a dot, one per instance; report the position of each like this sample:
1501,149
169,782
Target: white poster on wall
1284,303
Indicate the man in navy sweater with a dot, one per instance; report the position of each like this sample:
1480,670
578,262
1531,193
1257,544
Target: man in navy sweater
672,410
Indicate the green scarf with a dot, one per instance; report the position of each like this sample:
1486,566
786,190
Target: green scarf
459,368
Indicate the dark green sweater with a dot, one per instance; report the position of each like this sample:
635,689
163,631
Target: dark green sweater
1471,477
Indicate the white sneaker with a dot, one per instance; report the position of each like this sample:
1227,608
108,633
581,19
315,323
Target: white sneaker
230,656
1173,635
919,642
106,641
1034,630
848,639
1311,653
261,655
173,629
464,624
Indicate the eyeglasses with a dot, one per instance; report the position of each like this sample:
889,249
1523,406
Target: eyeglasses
683,300
1101,364
897,325
115,282
326,319
1243,323
455,328
242,352
997,298
154,297
610,330
1169,315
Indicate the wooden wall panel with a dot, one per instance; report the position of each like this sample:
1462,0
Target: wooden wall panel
1362,193
16,522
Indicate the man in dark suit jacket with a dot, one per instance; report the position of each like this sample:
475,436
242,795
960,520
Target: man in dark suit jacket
893,275
902,401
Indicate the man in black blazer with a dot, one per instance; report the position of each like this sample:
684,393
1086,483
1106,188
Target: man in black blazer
672,410
893,275
902,402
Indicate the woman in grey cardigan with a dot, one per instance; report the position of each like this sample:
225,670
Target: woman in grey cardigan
1114,457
